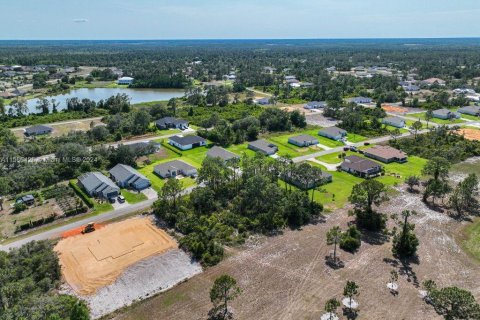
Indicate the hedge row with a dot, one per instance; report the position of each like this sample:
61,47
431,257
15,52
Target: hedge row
35,223
169,147
81,194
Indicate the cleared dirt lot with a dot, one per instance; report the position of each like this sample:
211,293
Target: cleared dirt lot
94,260
470,134
285,277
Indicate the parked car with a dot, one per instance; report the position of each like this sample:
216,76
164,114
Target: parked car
353,148
121,199
366,143
346,148
111,200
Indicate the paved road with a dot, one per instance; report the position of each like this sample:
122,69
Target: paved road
114,214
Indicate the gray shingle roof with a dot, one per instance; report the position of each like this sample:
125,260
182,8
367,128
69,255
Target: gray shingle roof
187,140
165,168
122,172
333,131
396,120
359,164
218,152
469,110
38,129
264,146
96,181
170,121
303,138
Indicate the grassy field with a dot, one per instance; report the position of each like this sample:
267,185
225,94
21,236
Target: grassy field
285,148
469,117
392,128
472,239
421,116
414,166
355,138
241,149
132,197
102,207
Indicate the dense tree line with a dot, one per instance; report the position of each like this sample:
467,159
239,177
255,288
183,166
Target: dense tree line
29,278
230,204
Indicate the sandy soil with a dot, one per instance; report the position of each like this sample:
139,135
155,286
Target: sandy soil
395,109
318,119
470,134
93,260
285,277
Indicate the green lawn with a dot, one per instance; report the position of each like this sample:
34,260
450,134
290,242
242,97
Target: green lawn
472,241
355,138
132,197
285,148
469,117
421,116
102,207
414,166
392,128
241,149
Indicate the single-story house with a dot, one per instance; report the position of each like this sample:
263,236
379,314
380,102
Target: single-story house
7,95
360,100
263,146
396,122
28,199
333,133
307,185
470,110
187,142
175,168
37,130
361,167
315,105
143,148
127,177
290,78
98,185
262,101
219,152
386,154
432,81
411,88
303,140
170,122
125,81
445,114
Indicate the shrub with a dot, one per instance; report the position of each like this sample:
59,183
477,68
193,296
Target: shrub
351,239
81,194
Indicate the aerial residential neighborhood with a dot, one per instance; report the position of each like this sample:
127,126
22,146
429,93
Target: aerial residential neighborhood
239,160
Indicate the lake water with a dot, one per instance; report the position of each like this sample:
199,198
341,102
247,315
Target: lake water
97,94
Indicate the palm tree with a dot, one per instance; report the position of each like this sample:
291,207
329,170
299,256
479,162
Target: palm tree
333,237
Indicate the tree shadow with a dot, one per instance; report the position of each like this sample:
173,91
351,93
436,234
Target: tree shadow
404,266
434,207
374,238
338,264
459,217
350,313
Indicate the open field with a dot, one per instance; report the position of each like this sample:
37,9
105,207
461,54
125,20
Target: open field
285,277
285,148
421,116
471,241
93,260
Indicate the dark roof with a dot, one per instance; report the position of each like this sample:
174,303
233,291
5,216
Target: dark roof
218,152
170,121
333,131
38,129
187,140
264,146
386,152
302,138
316,104
359,164
469,109
122,172
96,181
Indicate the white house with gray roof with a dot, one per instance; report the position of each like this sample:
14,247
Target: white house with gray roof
470,110
171,122
127,177
98,185
315,105
263,146
303,140
445,114
396,122
175,168
187,142
333,133
37,130
219,152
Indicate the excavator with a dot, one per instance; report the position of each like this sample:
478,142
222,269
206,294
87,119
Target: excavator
88,228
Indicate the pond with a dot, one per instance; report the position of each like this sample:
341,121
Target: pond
97,94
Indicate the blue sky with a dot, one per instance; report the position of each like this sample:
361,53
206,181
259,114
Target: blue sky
239,19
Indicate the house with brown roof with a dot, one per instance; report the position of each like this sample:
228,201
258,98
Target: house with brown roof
361,167
386,154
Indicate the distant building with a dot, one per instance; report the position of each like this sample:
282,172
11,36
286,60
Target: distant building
127,177
28,200
470,110
303,140
315,105
219,152
125,81
333,133
361,167
171,122
445,114
262,101
360,100
386,154
411,88
175,168
396,122
306,184
432,81
98,185
37,130
263,146
269,70
187,142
